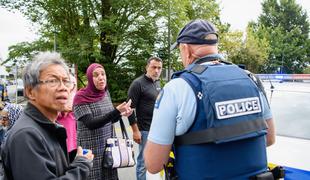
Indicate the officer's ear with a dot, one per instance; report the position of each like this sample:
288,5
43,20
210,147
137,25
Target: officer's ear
189,53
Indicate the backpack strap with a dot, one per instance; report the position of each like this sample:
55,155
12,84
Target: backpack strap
194,82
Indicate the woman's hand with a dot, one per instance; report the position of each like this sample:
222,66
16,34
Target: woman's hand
125,108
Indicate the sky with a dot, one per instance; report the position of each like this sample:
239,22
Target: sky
239,12
14,28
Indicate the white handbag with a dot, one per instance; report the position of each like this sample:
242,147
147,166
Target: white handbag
119,151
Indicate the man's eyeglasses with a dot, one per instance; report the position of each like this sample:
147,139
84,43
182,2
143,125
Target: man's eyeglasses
57,82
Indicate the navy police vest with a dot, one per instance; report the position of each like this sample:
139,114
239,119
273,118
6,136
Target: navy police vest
226,140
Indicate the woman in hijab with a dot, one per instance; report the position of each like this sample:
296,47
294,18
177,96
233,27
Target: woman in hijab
95,114
12,112
8,115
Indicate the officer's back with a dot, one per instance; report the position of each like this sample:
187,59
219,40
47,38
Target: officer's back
212,112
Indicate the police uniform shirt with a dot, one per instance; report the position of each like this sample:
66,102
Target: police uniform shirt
175,110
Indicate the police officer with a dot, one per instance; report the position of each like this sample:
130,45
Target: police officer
217,118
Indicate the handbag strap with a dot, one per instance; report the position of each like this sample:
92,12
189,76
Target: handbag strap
123,128
113,134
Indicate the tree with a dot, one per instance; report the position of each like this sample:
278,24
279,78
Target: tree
121,35
288,28
183,11
24,51
307,70
106,32
253,51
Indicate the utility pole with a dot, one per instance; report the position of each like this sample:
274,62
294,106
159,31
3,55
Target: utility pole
54,40
282,64
16,85
169,42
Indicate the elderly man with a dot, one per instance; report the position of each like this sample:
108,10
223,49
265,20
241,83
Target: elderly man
215,115
36,145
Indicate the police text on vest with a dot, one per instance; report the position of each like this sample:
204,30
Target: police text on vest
237,107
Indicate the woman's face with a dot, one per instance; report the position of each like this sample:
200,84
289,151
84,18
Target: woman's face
99,78
4,120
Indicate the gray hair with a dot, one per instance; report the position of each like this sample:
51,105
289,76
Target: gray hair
32,71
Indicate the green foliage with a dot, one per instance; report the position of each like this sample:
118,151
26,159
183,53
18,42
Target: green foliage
307,70
22,52
231,43
106,32
288,28
252,52
121,35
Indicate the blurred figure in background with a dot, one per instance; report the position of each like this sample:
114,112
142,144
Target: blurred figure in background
4,123
13,111
9,113
3,92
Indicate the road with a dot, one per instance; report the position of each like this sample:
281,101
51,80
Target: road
290,106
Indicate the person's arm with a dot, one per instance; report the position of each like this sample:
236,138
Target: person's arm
173,115
113,116
267,116
96,122
162,131
134,93
271,137
132,118
156,155
136,134
28,146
